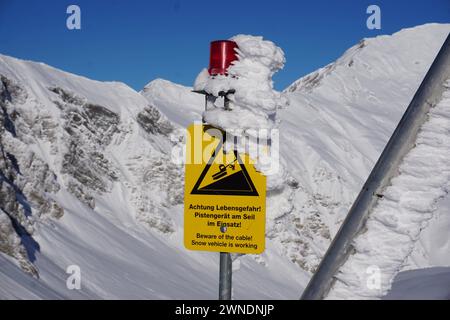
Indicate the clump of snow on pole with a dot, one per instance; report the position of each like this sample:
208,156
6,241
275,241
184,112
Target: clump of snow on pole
253,103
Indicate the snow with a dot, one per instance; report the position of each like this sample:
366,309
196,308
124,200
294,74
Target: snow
15,284
181,106
407,205
127,241
255,102
128,262
433,246
421,284
253,105
338,122
122,260
119,97
331,134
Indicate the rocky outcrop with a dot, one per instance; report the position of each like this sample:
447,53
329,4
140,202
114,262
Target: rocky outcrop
89,128
53,138
25,179
151,120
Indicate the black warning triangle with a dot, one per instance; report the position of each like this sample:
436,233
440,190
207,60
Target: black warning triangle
236,184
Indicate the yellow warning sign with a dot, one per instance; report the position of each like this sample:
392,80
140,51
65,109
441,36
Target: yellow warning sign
224,196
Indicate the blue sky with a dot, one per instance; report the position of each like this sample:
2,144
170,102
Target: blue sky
135,41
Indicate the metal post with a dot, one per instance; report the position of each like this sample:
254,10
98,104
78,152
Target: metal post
400,143
225,275
225,266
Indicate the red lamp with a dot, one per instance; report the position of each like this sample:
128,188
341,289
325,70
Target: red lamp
222,54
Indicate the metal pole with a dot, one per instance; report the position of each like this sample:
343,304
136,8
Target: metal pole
225,275
225,265
400,143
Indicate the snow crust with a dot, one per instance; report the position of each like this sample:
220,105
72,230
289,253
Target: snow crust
407,205
255,102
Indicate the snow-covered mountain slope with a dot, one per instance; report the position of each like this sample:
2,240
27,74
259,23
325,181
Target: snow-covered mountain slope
421,284
87,178
341,117
338,122
180,104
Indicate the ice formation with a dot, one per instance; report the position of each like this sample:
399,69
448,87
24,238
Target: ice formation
254,103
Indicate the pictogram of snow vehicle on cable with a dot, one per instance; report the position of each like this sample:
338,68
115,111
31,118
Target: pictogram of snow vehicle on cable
223,170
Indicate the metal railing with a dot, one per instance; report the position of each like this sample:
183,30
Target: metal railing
401,142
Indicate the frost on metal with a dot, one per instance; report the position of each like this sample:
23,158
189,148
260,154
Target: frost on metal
407,206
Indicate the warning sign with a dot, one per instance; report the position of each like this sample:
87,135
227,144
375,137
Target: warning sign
225,197
229,179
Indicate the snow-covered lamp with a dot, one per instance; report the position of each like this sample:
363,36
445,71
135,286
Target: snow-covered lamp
222,54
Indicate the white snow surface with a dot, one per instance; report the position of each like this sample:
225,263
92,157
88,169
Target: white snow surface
394,225
338,121
129,246
421,284
181,105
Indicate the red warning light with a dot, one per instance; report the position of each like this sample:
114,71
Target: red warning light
222,54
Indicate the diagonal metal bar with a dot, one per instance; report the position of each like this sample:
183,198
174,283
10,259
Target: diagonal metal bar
400,143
